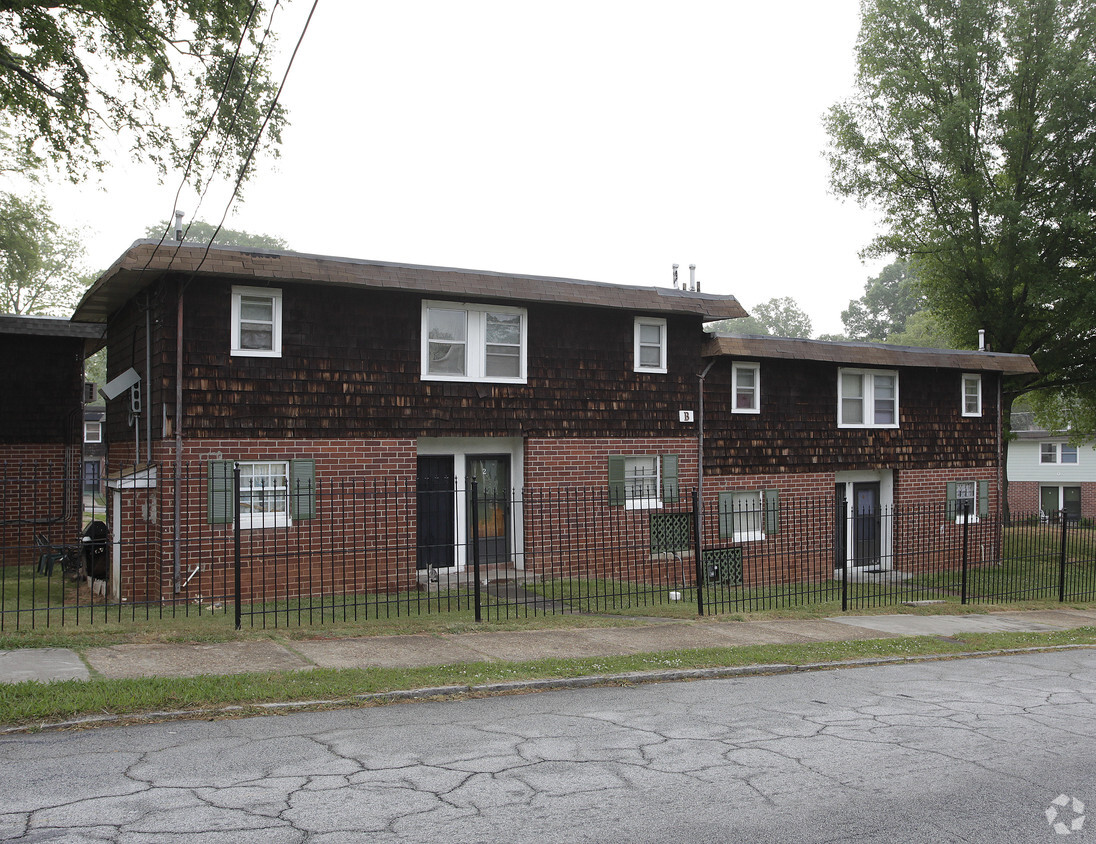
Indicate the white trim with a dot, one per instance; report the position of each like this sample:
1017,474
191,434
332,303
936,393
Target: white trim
98,438
662,344
275,518
475,343
976,378
274,294
460,449
756,368
644,502
885,479
867,397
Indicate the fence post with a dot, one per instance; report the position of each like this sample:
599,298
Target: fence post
966,538
236,541
1062,560
475,549
698,552
843,543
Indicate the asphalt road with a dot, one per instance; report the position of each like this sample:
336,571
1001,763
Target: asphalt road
974,750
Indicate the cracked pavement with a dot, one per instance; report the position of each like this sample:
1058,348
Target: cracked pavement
957,751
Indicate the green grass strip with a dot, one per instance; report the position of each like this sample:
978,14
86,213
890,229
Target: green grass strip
32,703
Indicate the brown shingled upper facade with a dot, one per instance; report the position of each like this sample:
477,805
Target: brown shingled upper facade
144,262
866,354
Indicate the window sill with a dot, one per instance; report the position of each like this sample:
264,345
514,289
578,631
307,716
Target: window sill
256,353
463,379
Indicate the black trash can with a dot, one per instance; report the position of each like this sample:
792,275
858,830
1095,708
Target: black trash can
94,539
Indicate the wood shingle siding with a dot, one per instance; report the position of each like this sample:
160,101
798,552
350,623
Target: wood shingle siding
797,431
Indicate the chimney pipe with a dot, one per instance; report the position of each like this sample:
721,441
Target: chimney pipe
179,226
692,277
981,339
675,276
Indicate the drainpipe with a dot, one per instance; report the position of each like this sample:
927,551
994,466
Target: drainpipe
700,440
147,386
178,488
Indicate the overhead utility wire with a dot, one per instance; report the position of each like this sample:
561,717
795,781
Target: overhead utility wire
255,143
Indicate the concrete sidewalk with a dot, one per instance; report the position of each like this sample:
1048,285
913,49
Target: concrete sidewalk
183,660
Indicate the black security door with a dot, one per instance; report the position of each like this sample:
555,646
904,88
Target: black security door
867,524
437,512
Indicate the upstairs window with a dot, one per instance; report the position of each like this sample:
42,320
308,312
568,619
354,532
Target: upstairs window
746,387
256,322
650,344
1057,453
462,342
972,395
867,398
93,432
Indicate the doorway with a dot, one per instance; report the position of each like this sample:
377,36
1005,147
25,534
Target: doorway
437,512
491,474
867,525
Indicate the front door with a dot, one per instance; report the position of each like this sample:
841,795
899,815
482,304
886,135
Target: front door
492,476
867,524
437,512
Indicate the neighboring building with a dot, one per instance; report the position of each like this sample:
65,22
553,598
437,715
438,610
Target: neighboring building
1048,474
893,431
95,444
41,412
311,370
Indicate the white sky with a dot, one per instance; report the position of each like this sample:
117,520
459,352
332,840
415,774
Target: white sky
596,139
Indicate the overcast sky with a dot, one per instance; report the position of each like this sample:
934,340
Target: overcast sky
597,140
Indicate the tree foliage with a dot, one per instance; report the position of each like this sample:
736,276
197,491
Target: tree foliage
41,264
889,300
779,316
202,232
971,131
73,74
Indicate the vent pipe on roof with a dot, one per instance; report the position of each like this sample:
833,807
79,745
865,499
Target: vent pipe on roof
179,226
692,277
981,339
675,276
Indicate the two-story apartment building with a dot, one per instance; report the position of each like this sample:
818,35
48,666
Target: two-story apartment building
335,383
1048,473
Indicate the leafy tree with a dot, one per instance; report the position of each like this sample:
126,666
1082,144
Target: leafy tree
201,231
889,300
971,132
40,263
74,73
922,329
781,317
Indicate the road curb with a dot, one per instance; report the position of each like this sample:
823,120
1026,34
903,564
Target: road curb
635,678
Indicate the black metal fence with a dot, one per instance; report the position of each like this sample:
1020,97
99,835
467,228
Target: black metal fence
275,550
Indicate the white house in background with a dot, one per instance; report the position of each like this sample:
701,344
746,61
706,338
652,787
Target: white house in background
1046,474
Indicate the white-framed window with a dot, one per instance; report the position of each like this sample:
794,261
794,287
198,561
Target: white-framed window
972,394
1062,453
93,431
643,481
867,398
264,494
746,387
463,342
650,344
968,497
256,322
749,515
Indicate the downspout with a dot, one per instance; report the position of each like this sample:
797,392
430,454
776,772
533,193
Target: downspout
147,386
700,439
178,481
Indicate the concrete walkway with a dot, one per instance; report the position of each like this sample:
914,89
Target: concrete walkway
182,660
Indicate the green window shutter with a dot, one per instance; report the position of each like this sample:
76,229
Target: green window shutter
221,507
302,488
726,515
772,512
616,480
670,491
951,509
983,499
